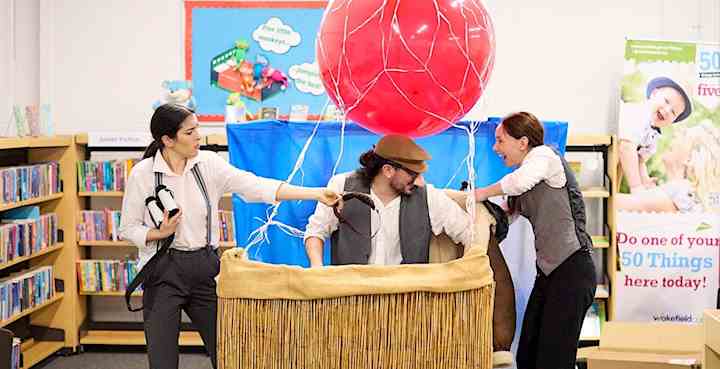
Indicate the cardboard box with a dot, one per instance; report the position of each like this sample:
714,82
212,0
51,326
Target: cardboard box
647,346
711,357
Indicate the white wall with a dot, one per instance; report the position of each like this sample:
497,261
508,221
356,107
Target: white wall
560,59
6,94
27,51
19,51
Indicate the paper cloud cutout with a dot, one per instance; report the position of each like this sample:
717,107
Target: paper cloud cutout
307,78
276,36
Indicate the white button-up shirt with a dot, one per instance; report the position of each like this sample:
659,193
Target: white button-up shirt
220,177
445,216
540,164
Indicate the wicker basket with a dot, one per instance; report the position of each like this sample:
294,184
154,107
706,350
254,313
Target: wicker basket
357,316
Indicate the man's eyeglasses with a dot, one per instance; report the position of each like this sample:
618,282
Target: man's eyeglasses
413,174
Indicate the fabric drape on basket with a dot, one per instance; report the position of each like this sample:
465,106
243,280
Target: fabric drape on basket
359,316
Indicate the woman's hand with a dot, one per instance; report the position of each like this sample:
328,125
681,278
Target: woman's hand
328,197
481,195
169,225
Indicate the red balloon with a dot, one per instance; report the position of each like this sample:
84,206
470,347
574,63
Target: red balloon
409,67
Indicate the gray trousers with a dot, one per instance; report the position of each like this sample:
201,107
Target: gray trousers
555,313
181,280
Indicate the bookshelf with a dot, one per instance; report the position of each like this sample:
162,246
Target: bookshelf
35,201
37,351
58,296
130,332
22,259
92,301
57,318
604,242
101,194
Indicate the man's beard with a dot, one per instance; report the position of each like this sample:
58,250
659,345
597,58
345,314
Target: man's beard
400,188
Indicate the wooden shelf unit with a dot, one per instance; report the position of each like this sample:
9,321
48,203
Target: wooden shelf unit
34,201
106,243
604,243
102,194
58,296
62,311
109,293
19,260
132,338
39,351
7,143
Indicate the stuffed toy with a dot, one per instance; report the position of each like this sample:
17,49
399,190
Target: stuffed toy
241,47
276,76
260,63
177,92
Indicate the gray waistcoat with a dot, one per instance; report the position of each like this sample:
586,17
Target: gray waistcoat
558,219
348,247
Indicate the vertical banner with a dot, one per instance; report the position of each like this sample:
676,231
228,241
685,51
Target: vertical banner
668,219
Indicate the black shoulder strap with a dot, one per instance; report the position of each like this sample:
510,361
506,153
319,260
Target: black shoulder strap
203,188
158,182
161,248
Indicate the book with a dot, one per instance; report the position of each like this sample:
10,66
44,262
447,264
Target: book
32,113
25,212
298,113
20,123
332,113
268,113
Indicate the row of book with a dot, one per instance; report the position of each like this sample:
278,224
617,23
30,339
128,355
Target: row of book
99,225
25,290
297,113
106,175
29,181
105,275
103,225
24,237
227,226
15,354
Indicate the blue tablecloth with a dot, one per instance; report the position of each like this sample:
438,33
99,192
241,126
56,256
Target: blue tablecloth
270,149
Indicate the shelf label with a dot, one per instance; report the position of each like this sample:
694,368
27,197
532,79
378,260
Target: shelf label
119,139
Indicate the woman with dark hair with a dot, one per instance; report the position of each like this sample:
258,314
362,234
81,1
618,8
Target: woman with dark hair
544,190
183,277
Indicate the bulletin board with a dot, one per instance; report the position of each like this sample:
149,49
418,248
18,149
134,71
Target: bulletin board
259,53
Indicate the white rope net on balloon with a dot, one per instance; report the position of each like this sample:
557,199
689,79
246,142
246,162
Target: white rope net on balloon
476,20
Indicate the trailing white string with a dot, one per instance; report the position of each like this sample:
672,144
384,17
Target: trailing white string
259,235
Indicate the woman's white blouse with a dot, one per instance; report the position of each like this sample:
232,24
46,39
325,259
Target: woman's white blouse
220,177
540,164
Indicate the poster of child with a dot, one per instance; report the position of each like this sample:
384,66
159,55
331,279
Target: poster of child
666,103
691,180
667,192
668,128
